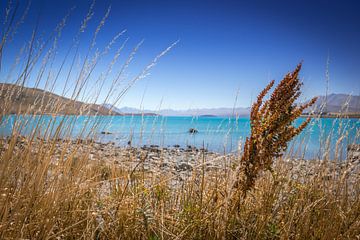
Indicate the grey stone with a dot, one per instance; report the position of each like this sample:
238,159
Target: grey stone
353,152
182,166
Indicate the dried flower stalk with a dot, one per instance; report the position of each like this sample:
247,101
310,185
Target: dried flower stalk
271,128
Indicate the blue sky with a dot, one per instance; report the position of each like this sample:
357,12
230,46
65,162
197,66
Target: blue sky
225,46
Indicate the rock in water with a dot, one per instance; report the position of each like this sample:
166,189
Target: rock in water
105,133
193,130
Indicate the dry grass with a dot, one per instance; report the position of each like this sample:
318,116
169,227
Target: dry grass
75,198
49,191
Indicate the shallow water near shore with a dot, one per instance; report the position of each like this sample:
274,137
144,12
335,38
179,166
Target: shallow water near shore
322,137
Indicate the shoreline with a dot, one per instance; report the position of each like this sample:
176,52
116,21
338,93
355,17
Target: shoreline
176,162
354,115
340,116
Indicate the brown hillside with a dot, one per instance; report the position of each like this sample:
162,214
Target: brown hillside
17,100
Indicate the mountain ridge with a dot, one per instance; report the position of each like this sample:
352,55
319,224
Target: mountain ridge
16,99
336,103
26,100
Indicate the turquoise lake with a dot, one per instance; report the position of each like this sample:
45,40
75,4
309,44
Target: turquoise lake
220,134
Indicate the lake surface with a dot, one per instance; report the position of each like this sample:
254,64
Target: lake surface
220,134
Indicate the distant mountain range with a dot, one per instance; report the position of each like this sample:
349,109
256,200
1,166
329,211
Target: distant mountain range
191,112
32,100
128,110
336,103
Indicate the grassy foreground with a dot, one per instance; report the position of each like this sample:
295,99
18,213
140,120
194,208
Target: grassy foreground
75,197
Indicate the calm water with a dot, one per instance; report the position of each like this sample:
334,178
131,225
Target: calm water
215,133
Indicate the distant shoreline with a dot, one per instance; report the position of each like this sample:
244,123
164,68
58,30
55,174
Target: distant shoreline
354,116
357,115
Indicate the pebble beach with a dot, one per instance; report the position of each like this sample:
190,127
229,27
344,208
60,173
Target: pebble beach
176,162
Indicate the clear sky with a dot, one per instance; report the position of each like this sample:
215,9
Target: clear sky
225,46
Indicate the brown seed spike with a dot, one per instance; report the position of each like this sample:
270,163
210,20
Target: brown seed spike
271,128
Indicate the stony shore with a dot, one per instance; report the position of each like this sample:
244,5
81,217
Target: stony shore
179,162
174,161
